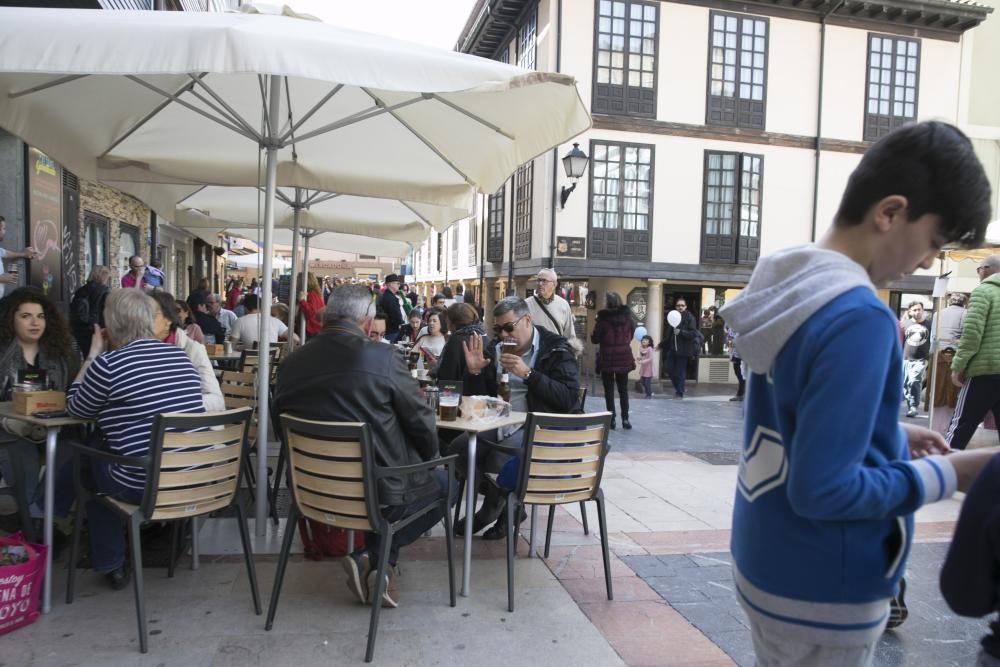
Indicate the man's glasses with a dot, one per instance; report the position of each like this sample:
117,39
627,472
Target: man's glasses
508,328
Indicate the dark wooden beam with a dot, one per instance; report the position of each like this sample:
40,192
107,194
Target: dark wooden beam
857,8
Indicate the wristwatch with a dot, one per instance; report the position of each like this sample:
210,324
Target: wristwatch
527,375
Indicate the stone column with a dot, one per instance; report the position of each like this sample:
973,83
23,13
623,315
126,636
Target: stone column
654,320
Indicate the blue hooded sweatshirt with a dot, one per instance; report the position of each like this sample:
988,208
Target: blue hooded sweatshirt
822,522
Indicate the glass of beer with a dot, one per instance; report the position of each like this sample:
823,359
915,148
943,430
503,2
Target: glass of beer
508,345
448,407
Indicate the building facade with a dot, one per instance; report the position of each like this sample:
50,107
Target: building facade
722,131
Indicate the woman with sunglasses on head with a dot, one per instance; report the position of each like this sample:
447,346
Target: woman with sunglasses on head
465,323
167,329
431,344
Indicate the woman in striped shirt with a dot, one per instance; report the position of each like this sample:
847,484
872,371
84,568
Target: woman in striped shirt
123,390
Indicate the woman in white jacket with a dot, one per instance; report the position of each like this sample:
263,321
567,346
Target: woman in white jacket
168,329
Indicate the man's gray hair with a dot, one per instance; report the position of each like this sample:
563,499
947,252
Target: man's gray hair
511,303
212,295
350,302
128,315
551,274
993,261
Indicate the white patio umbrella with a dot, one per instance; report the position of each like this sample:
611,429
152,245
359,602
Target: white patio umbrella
185,97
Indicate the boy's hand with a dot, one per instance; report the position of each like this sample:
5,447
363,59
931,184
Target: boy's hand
924,442
969,463
957,379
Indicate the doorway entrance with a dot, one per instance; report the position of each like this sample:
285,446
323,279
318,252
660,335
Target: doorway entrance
692,296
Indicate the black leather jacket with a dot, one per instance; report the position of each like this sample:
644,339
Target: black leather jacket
554,383
341,376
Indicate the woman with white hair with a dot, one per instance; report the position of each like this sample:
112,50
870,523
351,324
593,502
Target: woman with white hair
123,390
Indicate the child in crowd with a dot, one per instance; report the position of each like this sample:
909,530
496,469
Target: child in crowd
645,360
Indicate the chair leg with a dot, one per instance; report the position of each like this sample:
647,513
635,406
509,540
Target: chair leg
511,539
74,550
449,539
583,513
534,526
548,528
140,601
458,503
248,557
376,600
195,552
603,524
279,576
21,497
277,483
174,539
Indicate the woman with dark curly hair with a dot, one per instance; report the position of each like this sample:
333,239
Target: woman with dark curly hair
34,341
191,328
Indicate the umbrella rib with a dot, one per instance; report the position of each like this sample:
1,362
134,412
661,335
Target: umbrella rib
187,105
309,114
145,119
283,197
309,200
423,139
46,86
473,116
234,116
200,188
367,114
323,196
416,213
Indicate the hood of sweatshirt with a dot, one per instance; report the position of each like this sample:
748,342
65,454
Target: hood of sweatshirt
785,290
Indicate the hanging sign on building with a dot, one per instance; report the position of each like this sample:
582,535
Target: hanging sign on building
638,300
45,223
571,246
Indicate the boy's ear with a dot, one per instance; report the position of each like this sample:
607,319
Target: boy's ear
889,210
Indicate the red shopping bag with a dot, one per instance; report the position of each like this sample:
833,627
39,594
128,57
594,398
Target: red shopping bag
319,539
20,581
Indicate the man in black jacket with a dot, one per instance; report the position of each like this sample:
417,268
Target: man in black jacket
341,376
681,343
543,375
204,319
389,303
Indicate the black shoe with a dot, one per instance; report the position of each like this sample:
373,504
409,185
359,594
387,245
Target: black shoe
498,531
118,578
626,424
493,506
613,426
898,612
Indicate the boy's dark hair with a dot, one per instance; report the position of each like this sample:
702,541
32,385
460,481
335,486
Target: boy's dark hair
251,302
934,166
914,303
380,315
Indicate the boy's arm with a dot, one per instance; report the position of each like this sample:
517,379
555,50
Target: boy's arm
834,473
967,578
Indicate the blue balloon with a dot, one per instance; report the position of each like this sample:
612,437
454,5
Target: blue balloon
640,332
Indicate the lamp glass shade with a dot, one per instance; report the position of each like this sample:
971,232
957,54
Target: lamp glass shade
575,162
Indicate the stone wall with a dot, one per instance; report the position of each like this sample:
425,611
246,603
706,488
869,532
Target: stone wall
118,208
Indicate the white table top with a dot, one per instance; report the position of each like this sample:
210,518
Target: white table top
7,410
478,426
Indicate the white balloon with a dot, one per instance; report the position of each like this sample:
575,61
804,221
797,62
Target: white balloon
674,318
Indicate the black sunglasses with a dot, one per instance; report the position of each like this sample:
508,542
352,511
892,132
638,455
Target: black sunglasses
508,328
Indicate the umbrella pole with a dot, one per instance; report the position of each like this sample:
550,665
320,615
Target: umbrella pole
305,278
264,358
293,289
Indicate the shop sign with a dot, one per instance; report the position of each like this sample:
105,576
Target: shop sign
638,301
571,246
45,232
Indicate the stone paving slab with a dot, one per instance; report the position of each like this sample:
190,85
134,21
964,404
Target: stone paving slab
700,588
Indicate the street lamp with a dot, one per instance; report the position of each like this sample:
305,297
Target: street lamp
575,163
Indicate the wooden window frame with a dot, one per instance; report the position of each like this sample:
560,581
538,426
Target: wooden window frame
100,222
440,252
454,246
473,241
524,192
495,224
743,246
635,100
734,110
877,125
627,241
523,38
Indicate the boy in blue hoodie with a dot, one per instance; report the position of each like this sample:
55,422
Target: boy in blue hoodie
823,518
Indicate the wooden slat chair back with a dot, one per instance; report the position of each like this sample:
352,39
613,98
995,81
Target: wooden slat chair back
192,469
334,480
250,359
328,466
239,389
562,461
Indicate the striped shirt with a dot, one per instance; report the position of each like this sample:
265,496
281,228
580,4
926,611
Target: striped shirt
126,388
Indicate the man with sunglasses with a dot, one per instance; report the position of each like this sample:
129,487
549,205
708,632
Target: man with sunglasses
976,367
544,377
